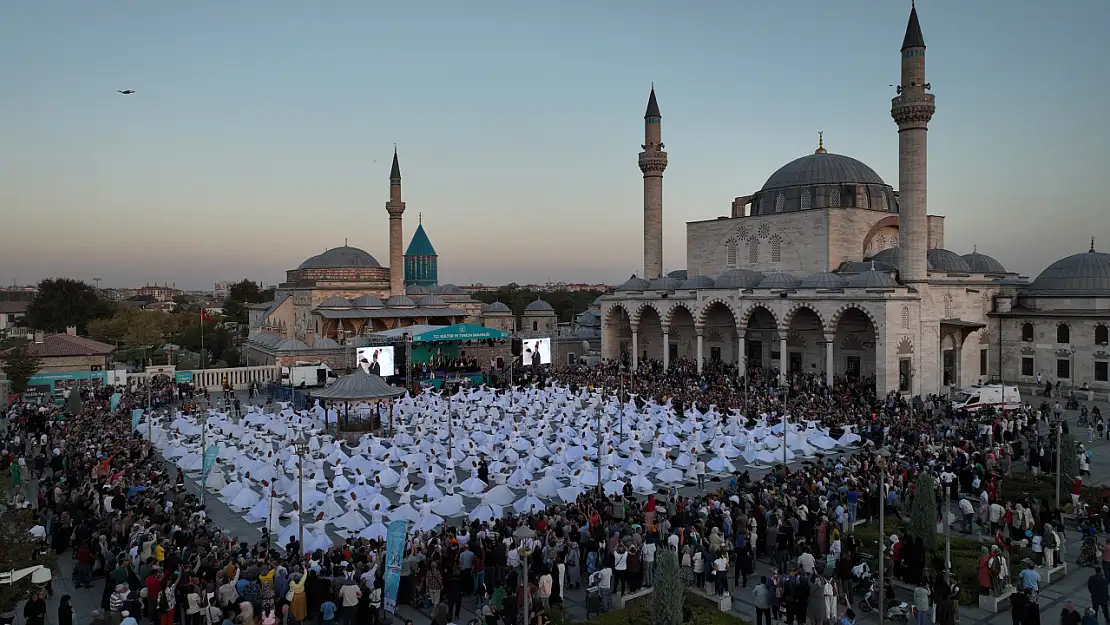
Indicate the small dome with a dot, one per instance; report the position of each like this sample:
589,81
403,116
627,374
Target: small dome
860,267
497,308
981,263
335,302
946,261
398,301
738,279
431,301
367,301
1086,274
597,301
416,289
634,284
780,281
448,289
539,306
292,345
665,284
823,168
325,343
340,257
694,283
823,280
678,274
872,279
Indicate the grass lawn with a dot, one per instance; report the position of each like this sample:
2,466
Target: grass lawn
965,555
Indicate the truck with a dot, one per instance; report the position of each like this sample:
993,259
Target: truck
997,396
308,375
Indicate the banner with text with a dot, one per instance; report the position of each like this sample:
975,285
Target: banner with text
209,462
113,403
136,415
394,552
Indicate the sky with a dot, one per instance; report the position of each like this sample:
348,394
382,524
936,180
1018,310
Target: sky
261,132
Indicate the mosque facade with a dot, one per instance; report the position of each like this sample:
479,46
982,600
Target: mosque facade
829,269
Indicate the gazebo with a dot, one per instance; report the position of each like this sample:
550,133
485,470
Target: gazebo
360,386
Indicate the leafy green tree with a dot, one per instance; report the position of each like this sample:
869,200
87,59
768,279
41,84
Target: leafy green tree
667,593
18,551
231,357
1069,460
19,366
922,522
239,295
62,302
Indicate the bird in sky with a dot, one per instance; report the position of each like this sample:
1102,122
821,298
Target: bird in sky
126,91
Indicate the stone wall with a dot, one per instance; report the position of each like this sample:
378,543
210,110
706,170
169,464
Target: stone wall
801,239
339,274
65,364
936,231
1045,352
848,227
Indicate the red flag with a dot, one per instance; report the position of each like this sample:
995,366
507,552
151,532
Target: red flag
204,315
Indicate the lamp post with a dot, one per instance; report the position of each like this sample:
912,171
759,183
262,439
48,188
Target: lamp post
301,448
525,553
882,535
203,419
599,491
1059,457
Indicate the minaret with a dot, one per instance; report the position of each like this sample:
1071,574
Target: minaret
912,109
395,207
653,160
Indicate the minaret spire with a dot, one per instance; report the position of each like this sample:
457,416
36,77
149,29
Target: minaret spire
395,207
653,160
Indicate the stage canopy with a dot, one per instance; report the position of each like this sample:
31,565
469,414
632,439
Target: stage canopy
359,386
459,332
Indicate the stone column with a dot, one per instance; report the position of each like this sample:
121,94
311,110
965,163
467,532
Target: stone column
741,361
666,348
635,346
784,359
829,365
699,330
959,353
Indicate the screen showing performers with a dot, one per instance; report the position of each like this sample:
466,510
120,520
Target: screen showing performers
377,360
536,352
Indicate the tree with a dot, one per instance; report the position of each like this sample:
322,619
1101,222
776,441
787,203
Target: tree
62,302
1069,461
145,327
19,366
231,357
239,295
666,596
18,551
922,522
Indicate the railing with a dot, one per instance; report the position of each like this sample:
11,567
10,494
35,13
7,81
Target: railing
238,377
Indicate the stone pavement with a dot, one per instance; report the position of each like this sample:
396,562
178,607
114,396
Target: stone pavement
1071,588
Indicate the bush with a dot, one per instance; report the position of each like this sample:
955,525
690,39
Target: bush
667,593
922,522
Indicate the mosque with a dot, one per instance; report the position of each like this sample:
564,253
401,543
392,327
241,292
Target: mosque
333,300
829,269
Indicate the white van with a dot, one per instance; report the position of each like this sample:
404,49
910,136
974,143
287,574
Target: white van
309,375
988,396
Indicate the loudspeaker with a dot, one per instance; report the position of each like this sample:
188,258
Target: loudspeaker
518,347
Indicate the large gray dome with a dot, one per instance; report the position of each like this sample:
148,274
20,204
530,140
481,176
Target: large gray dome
872,279
497,308
694,283
416,289
345,256
780,281
823,280
665,283
981,263
738,279
539,306
634,284
939,259
822,168
1086,274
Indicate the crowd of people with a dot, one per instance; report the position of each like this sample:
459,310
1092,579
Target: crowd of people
105,497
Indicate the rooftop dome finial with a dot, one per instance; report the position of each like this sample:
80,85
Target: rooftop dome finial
975,249
820,143
1092,245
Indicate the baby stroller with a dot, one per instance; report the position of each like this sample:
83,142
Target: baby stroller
1088,553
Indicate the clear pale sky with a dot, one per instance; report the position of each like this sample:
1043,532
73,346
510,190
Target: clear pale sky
262,132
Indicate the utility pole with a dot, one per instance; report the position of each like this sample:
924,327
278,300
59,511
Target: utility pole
1059,458
881,606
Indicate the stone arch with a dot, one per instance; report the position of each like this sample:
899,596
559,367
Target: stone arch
788,316
834,320
890,221
649,325
616,331
743,319
635,317
703,312
668,315
615,308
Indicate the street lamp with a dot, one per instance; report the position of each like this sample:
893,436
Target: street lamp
301,449
203,419
882,452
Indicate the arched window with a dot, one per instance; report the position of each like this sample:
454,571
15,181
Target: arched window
1063,333
947,305
1102,335
864,200
1027,332
730,253
776,249
763,205
764,231
807,201
535,326
883,201
780,202
753,251
834,197
905,317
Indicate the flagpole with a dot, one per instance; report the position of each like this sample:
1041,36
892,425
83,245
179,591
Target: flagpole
202,358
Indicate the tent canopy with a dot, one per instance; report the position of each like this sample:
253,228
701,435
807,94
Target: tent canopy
359,386
459,332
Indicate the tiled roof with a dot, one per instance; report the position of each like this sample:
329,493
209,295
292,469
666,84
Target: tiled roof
13,307
56,345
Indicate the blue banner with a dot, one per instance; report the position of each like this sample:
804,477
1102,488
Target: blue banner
113,403
394,552
136,415
209,462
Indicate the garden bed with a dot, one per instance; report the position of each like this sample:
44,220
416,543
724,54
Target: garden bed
965,556
1043,488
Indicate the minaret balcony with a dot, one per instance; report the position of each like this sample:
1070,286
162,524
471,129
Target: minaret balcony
653,162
